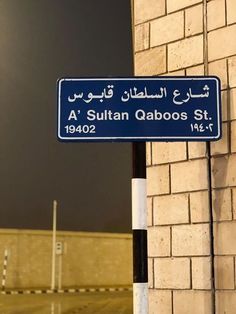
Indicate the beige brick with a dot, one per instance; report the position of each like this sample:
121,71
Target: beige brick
167,29
221,38
222,205
163,152
196,70
225,302
224,272
221,146
201,273
194,20
150,273
185,53
149,211
148,9
232,72
224,235
233,104
194,302
158,241
196,149
175,73
234,202
199,206
189,176
150,62
158,180
231,11
170,209
215,14
148,154
190,240
219,68
224,171
142,37
174,5
105,257
224,103
172,273
233,136
160,302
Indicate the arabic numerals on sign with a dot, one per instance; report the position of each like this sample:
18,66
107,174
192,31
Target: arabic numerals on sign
200,127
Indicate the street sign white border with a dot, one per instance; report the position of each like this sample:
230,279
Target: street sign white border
141,138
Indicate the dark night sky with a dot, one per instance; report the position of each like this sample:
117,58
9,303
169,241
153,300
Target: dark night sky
41,41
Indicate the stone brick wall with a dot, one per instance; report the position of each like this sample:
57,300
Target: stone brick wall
89,259
191,37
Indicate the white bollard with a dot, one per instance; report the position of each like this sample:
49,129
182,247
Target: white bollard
4,273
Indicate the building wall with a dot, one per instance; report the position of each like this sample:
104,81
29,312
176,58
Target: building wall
190,37
88,259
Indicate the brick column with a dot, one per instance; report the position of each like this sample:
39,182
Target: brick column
169,40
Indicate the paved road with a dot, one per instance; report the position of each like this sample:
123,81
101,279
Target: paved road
87,303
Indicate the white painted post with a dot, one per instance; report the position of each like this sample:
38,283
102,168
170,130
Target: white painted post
139,223
59,271
139,226
52,308
4,272
54,230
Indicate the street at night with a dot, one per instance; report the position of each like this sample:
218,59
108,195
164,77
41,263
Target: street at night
87,303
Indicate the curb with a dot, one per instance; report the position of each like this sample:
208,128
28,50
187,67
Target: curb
80,290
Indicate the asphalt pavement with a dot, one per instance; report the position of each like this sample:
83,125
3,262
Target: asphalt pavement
82,303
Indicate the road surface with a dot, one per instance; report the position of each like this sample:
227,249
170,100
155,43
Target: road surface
87,303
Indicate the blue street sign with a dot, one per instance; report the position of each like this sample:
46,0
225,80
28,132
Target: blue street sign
139,109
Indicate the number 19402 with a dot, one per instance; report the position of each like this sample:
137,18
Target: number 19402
84,129
200,127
